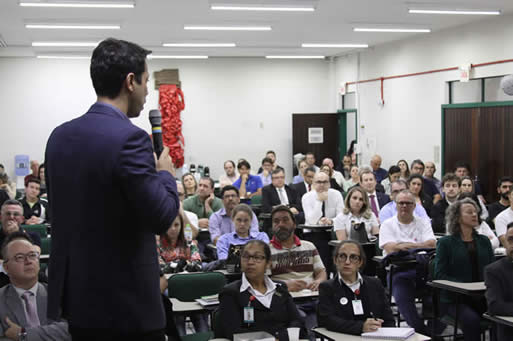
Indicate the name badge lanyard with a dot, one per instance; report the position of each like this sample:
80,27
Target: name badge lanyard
249,312
357,303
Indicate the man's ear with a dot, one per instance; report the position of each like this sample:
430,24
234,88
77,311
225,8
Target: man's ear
129,81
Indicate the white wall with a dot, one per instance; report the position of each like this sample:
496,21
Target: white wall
409,124
235,107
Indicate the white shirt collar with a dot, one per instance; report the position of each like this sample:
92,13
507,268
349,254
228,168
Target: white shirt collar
21,291
270,285
353,286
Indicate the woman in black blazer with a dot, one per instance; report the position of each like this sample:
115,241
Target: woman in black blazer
272,306
351,303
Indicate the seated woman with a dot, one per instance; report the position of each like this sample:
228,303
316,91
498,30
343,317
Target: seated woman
416,186
461,257
405,169
301,166
483,227
467,186
269,303
352,303
242,216
333,183
394,173
189,184
356,211
172,248
353,180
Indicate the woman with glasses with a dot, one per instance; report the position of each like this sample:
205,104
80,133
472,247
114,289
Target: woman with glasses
461,257
416,186
256,303
356,214
352,303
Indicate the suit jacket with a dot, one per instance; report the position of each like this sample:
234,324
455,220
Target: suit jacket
107,204
281,315
338,317
12,307
300,189
383,199
270,198
438,216
499,296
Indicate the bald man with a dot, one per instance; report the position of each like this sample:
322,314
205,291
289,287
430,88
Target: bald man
379,172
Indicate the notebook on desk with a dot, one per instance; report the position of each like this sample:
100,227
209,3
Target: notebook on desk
390,334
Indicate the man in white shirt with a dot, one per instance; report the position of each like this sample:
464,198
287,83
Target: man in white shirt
322,204
376,199
339,178
230,175
503,219
404,232
310,160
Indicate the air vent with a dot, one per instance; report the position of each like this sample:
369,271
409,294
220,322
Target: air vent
3,43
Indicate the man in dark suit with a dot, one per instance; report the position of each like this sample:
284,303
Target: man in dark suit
278,193
108,200
499,281
376,199
306,186
451,187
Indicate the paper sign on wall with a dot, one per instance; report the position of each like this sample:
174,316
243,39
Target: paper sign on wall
464,73
21,165
315,135
342,88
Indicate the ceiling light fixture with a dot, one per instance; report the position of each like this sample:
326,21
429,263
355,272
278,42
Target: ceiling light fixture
73,27
392,30
229,28
262,8
336,45
295,57
63,57
461,12
63,44
79,4
151,56
199,45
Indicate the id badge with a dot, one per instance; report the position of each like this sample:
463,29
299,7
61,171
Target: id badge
357,307
249,315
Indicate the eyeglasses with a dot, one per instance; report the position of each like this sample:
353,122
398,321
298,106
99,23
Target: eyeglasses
13,214
256,258
22,257
405,203
352,258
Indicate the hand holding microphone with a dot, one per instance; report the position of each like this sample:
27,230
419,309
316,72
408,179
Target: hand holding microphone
164,163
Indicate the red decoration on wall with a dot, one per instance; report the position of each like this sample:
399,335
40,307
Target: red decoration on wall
171,101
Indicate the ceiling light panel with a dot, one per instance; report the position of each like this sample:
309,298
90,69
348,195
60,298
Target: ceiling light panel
64,44
199,45
72,27
336,45
229,28
392,30
262,8
77,4
454,12
151,56
295,57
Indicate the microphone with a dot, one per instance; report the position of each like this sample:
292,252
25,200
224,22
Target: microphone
507,85
156,131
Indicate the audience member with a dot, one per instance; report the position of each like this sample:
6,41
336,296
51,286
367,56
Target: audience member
8,186
249,185
41,177
416,185
338,313
462,169
345,167
467,186
12,218
190,184
25,299
310,160
503,219
405,169
322,204
229,176
429,173
451,188
272,307
356,212
189,217
301,166
35,209
295,262
483,228
354,178
241,216
379,173
504,186
428,187
34,166
270,155
204,203
221,222
376,199
304,187
405,231
3,196
390,209
394,173
265,174
333,182
278,193
499,281
335,174
461,257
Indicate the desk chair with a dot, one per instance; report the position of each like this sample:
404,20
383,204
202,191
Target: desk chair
256,200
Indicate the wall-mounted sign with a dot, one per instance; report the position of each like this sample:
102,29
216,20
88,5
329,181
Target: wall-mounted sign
21,165
315,135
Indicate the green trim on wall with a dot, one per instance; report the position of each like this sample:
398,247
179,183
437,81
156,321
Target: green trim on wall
442,147
342,128
482,90
341,111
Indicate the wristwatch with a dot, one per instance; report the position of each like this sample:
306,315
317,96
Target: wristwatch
22,336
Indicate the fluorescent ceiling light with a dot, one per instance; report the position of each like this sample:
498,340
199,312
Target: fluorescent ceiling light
262,8
336,45
199,45
176,57
229,28
73,27
63,44
294,57
406,30
79,4
63,57
464,12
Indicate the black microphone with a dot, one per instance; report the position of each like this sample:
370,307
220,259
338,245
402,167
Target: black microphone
156,131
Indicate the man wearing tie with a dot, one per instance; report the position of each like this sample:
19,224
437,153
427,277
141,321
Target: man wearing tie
278,193
376,199
304,187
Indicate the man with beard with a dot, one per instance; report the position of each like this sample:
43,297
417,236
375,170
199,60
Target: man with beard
505,185
499,281
295,262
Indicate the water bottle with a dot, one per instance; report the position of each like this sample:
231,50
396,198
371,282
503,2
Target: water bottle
188,233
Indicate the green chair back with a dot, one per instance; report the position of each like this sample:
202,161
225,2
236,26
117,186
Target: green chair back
256,200
188,287
45,246
41,229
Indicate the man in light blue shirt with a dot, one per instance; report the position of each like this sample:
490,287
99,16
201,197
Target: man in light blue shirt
390,209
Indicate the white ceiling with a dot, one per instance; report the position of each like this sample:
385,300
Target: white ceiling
153,22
